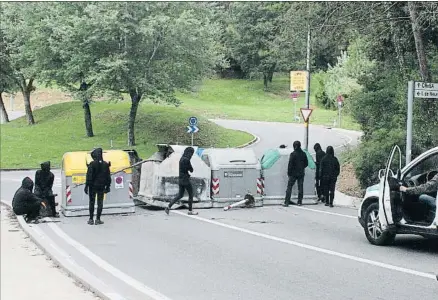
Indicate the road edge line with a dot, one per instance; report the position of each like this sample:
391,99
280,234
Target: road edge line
106,266
315,248
60,258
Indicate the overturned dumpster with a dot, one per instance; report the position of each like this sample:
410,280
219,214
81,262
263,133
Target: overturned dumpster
160,177
274,173
234,173
73,175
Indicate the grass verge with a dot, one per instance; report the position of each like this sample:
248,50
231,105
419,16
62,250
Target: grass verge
60,128
246,100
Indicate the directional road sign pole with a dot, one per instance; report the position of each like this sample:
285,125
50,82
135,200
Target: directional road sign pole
192,138
409,121
306,136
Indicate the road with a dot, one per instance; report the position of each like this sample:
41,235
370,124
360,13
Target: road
262,253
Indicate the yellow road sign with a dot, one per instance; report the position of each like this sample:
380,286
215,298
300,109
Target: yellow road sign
298,81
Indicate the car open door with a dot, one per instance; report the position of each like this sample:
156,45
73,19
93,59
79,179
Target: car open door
385,209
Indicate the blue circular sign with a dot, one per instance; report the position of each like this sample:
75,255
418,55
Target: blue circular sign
193,121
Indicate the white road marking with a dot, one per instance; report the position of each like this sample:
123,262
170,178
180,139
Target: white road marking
326,212
314,248
108,267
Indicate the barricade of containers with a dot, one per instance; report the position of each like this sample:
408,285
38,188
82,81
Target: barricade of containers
221,177
73,174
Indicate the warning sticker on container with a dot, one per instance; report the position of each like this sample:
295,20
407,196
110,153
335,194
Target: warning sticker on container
119,182
233,174
78,179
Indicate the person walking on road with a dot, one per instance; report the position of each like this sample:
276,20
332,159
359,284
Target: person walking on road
185,166
319,153
295,171
43,187
25,202
97,183
328,173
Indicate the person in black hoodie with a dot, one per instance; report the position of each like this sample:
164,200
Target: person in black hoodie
27,203
329,172
185,166
43,187
295,171
319,153
97,183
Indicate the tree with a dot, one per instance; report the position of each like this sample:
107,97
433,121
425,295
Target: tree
149,50
252,37
26,47
74,48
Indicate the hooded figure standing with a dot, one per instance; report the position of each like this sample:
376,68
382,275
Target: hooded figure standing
97,183
328,173
296,171
43,187
319,153
185,166
25,202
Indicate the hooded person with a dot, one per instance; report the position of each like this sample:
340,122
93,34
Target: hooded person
319,154
43,187
185,166
25,202
328,173
97,183
295,171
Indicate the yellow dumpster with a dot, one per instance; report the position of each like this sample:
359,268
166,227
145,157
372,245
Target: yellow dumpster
73,173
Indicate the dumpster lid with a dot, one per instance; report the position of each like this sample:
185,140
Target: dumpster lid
231,156
76,162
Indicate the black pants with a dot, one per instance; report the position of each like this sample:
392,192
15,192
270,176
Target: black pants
30,210
184,187
92,194
318,187
329,186
52,205
290,185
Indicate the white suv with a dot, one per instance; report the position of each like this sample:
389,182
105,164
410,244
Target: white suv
384,213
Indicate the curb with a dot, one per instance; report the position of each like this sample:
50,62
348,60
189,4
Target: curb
79,274
254,141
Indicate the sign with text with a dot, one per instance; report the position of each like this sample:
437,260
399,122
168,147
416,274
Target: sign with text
298,80
426,86
426,94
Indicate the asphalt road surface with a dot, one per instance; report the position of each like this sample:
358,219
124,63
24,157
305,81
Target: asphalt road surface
262,253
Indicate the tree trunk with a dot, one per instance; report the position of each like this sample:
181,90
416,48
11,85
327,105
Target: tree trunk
135,100
86,105
396,39
26,89
87,118
4,113
419,44
265,81
27,107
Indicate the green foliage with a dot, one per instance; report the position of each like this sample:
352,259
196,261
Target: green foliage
372,154
27,147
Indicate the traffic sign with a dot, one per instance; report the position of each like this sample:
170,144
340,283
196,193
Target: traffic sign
119,182
192,129
295,96
298,80
426,86
306,112
427,94
193,121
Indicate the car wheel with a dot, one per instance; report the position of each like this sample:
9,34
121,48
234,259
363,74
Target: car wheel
373,229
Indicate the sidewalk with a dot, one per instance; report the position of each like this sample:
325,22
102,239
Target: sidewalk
26,272
344,200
